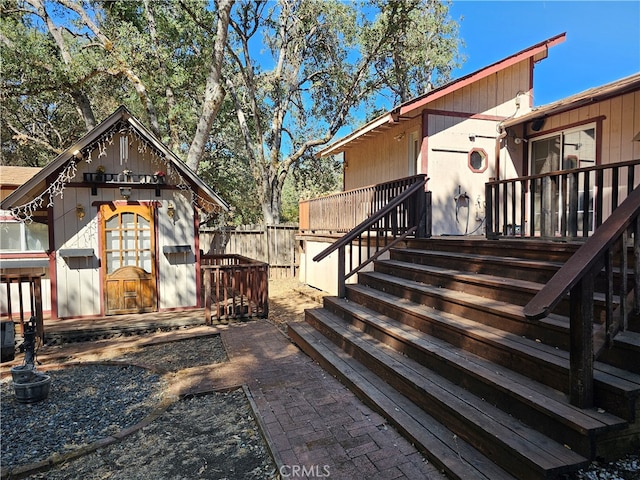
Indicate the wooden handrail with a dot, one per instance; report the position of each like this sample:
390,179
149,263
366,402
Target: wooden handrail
588,256
594,168
374,218
414,221
578,278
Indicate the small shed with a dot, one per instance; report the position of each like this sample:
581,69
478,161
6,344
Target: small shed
116,217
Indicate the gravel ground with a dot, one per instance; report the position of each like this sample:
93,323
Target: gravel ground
85,403
213,436
206,436
173,356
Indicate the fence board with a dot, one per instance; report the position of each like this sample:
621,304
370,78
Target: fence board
271,244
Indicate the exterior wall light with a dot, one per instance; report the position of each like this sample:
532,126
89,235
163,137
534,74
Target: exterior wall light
171,210
125,192
80,212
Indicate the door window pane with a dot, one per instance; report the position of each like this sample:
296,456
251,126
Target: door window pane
113,262
113,222
128,220
145,261
129,239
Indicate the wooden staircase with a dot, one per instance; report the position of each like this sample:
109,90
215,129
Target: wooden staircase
434,338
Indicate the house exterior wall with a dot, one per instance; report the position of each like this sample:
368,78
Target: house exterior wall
616,120
381,157
323,275
449,128
177,286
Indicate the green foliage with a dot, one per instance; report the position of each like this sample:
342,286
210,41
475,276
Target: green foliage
294,72
314,177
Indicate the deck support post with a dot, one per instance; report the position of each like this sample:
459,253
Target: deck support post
581,343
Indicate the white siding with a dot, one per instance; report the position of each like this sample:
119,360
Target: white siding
177,272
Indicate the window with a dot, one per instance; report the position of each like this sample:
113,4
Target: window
23,237
128,242
566,150
478,160
414,152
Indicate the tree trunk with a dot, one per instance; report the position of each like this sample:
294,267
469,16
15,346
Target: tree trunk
271,199
214,92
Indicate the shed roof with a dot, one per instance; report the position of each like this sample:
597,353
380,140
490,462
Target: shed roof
592,95
38,183
537,52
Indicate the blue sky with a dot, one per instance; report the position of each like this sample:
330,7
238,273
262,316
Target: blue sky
602,42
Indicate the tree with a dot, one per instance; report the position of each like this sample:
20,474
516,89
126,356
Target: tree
252,87
328,58
89,53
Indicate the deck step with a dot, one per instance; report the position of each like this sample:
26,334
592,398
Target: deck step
441,446
537,405
535,249
511,267
508,442
616,389
512,290
552,330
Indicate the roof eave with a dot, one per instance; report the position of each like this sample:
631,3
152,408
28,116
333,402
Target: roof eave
592,95
122,113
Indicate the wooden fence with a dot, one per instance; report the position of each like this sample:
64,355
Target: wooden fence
274,245
234,287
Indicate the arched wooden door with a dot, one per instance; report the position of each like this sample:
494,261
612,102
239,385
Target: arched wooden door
128,259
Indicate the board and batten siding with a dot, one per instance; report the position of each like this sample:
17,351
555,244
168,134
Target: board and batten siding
380,158
177,271
383,156
617,121
77,278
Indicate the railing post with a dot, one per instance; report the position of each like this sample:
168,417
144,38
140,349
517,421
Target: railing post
419,213
581,342
341,272
488,198
207,295
428,215
636,266
37,304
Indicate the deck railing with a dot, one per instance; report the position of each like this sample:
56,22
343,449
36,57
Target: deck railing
565,203
234,287
29,302
406,211
342,211
604,256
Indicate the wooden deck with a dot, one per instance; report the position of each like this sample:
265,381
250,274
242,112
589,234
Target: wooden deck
435,338
75,330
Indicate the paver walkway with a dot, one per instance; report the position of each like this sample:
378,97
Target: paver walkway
315,425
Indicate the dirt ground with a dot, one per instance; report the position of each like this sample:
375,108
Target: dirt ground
214,435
